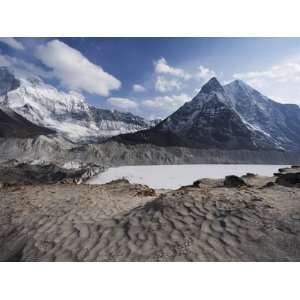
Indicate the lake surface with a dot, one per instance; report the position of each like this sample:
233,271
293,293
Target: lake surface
175,176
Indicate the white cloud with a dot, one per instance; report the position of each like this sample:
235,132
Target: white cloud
138,88
280,82
12,42
204,74
162,67
166,103
122,103
23,68
163,84
74,70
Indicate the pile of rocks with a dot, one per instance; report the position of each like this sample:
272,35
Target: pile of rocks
16,173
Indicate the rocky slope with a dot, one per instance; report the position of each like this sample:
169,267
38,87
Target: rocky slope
15,173
117,154
257,220
13,125
280,122
41,148
231,117
66,113
220,125
8,81
59,151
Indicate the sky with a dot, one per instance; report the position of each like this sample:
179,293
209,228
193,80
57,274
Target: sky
153,77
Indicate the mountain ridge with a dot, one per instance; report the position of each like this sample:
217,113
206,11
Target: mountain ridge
67,113
233,116
13,125
230,116
278,121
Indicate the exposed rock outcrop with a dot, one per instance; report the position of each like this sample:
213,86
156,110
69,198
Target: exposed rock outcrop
234,116
13,125
15,173
234,181
289,179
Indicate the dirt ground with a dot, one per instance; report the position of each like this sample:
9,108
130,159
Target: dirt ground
120,221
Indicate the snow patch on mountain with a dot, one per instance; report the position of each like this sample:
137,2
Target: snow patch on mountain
280,122
234,116
66,113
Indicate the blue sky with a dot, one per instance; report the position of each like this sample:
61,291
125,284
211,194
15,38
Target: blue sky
154,76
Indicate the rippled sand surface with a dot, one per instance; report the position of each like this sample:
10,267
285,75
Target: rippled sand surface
120,221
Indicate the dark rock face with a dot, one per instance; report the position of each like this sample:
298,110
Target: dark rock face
249,175
99,114
8,82
268,184
288,179
215,126
234,116
14,173
234,181
280,121
212,85
208,182
14,125
208,121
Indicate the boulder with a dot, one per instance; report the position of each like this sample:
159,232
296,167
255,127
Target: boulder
268,184
13,173
234,181
208,182
289,179
147,192
247,175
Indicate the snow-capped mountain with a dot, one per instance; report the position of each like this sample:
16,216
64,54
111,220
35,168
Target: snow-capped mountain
14,125
231,117
280,122
66,113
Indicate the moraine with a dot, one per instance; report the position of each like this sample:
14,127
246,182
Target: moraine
175,176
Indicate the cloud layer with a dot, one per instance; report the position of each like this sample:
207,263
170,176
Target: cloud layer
122,103
163,104
13,43
162,67
204,74
74,70
280,82
23,68
163,84
138,88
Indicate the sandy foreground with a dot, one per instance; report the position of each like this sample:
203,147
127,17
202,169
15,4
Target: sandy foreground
119,221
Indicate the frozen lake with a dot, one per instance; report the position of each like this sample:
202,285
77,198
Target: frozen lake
175,176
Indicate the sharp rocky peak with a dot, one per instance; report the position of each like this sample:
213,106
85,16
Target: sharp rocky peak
239,84
213,85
